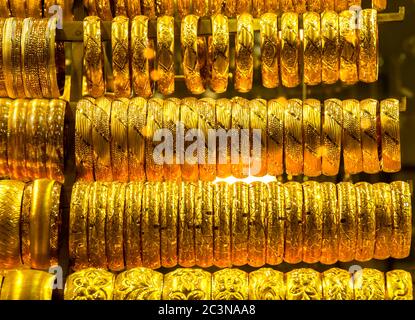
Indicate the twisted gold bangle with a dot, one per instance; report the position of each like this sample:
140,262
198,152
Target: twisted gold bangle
171,119
304,284
165,54
369,127
290,50
398,285
368,50
312,137
120,56
258,137
275,136
138,284
244,47
337,285
266,284
240,223
330,62
240,158
230,284
206,125
369,284
221,225
223,124
55,142
153,157
187,284
312,50
352,137
293,137
349,44
219,53
186,228
275,228
382,198
390,135
270,50
332,131
5,105
169,223
330,222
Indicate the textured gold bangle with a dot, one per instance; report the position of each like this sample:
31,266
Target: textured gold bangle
4,125
312,137
352,137
153,158
290,50
230,284
165,7
230,8
223,124
207,125
287,5
17,8
390,135
258,8
402,220
304,284
258,137
293,138
240,223
379,5
133,8
4,9
138,284
266,284
3,91
25,224
187,284
186,228
184,7
200,7
275,136
312,48
349,47
132,224
337,285
332,131
382,197
171,119
346,202
243,6
293,194
93,57
219,53
11,194
165,54
104,9
270,50
314,5
328,5
341,5
121,7
91,8
369,284
90,284
215,7
369,128
331,222
368,50
330,47
55,140
54,59
55,221
244,49
398,285
120,56
222,225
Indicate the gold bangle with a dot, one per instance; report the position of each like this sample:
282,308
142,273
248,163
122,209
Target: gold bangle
328,5
293,195
11,194
4,128
120,56
287,5
304,284
4,10
215,7
55,57
93,57
349,48
3,91
133,8
165,7
171,119
17,9
138,284
55,221
330,47
352,137
206,125
150,225
314,5
43,42
165,54
204,224
258,8
258,137
90,284
222,225
186,228
313,222
346,202
369,284
230,284
337,285
402,220
78,225
266,284
379,5
243,6
398,285
332,131
169,223
244,47
132,224
341,5
369,127
119,139
96,224
312,137
300,6
240,223
224,124
153,158
382,198
368,50
25,224
312,48
91,8
293,138
270,50
187,284
201,7
331,222
219,53
104,9
184,8
121,7
390,135
230,8
275,136
290,50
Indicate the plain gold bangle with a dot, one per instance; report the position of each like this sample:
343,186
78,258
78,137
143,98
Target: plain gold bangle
398,285
369,284
171,119
258,137
165,54
223,123
120,56
331,222
275,228
270,50
390,135
186,228
369,43
332,133
352,137
169,223
304,284
293,138
275,136
337,285
349,44
312,48
240,223
187,284
330,61
153,159
138,284
230,284
290,50
382,198
219,53
312,137
266,284
206,125
244,47
369,126
240,158
4,129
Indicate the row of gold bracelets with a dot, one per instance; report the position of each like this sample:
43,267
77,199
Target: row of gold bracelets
32,62
235,284
29,223
33,8
153,224
32,138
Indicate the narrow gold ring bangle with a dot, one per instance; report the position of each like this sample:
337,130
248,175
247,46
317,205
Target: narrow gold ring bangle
296,290
153,158
258,137
331,222
293,138
54,59
165,54
223,123
169,223
275,228
187,284
369,126
200,7
369,284
270,50
138,284
382,198
206,125
275,136
186,228
312,48
266,284
258,8
337,285
240,158
239,223
349,44
390,135
290,50
369,45
312,137
230,284
332,132
244,50
219,53
120,56
330,47
5,104
398,285
171,119
230,8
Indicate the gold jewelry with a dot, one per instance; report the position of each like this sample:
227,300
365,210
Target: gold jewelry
304,284
120,56
187,284
55,221
379,5
244,48
258,137
219,53
352,137
300,6
230,284
290,50
171,119
341,5
270,50
329,5
104,9
186,229
369,127
55,60
133,8
266,284
230,8
398,285
314,5
25,224
312,137
224,123
337,285
91,7
240,149
41,27
4,11
240,223
3,91
169,223
207,124
330,222
154,166
349,47
17,8
165,7
390,135
332,131
287,5
138,284
330,47
312,50
293,137
4,119
165,54
200,7
369,284
258,8
222,225
215,7
243,6
275,136
184,8
382,198
368,50
121,7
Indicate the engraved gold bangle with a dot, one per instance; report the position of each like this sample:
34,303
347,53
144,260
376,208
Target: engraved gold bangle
287,5
55,140
165,54
3,91
43,43
379,5
121,7
304,284
328,5
314,5
312,137
275,228
312,48
219,53
349,44
266,284
120,56
243,6
382,198
55,57
223,123
240,223
368,50
369,127
187,284
4,125
200,7
330,61
25,224
55,221
369,284
184,7
293,137
331,222
17,8
390,135
165,7
398,285
352,137
332,131
337,285
270,50
93,57
104,9
90,6
230,8
133,8
258,8
275,136
222,225
300,6
258,137
186,228
230,284
215,7
169,210
244,47
153,158
138,284
206,125
290,50
171,119
240,158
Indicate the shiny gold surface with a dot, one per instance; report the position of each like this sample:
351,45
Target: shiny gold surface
230,284
369,42
352,137
244,47
293,138
332,136
398,285
382,198
330,222
258,137
240,223
369,284
165,54
138,284
290,50
390,137
304,284
219,53
349,44
275,136
120,56
369,130
312,48
206,125
270,49
337,285
169,223
153,163
330,46
186,227
312,137
266,284
187,284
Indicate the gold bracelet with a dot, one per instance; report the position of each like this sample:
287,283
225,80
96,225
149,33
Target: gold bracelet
341,5
169,223
398,285
215,7
138,284
93,57
4,125
230,8
275,136
200,7
244,47
91,7
186,228
25,224
133,8
312,137
55,221
43,43
314,5
240,223
258,8
11,194
55,58
104,9
275,228
206,125
346,202
328,5
369,128
120,56
352,137
171,119
222,225
258,137
119,139
165,7
337,285
331,223
219,53
90,284
153,157
300,6
230,284
287,5
266,284
270,50
290,50
4,11
382,198
379,5
390,135
293,138
304,284
243,6
349,48
332,131
369,284
330,62
187,284
224,124
121,7
165,54
240,158
184,8
313,222
312,48
369,45
3,91
17,8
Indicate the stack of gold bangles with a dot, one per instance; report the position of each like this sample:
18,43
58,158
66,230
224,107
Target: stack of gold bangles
34,8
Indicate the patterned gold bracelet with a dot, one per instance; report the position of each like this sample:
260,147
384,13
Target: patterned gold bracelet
133,8
171,119
304,284
169,209
369,284
230,284
4,10
293,138
186,228
337,285
390,137
352,137
3,91
219,53
153,157
165,54
270,50
240,223
240,158
330,47
187,284
55,60
290,50
4,119
138,284
382,197
332,131
184,7
104,9
349,44
312,137
369,128
312,48
258,137
398,285
275,136
120,56
331,222
224,122
266,284
165,7
206,125
368,51
244,47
